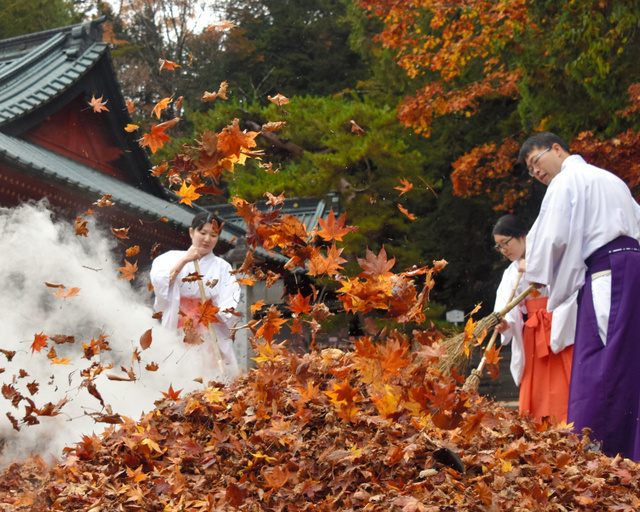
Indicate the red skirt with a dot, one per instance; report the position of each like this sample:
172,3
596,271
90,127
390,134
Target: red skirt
544,390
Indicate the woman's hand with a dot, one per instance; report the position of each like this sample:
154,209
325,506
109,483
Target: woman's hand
522,265
502,326
192,254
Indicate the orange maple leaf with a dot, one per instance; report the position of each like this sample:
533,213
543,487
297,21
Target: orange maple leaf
128,271
342,393
161,105
156,138
81,227
274,200
98,105
406,212
66,293
279,99
172,394
272,126
222,93
105,200
300,305
221,26
187,193
122,233
167,64
333,229
257,306
406,186
131,106
319,265
233,142
132,251
376,266
39,342
131,128
208,312
271,324
64,360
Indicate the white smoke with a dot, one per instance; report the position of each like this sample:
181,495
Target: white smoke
35,250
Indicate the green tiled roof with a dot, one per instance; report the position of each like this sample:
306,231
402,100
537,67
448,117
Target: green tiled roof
35,69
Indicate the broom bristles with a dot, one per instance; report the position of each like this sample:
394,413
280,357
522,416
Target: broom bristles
455,356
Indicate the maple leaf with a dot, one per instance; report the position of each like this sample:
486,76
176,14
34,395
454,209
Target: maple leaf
298,304
64,360
128,270
279,99
187,193
131,106
271,324
222,93
39,342
256,306
355,128
161,105
130,128
330,265
98,105
220,26
122,233
172,394
208,312
272,126
167,64
277,478
66,293
132,251
406,186
411,216
105,200
81,227
333,229
156,138
374,265
274,200
233,142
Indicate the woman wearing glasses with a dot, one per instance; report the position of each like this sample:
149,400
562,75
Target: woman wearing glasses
542,375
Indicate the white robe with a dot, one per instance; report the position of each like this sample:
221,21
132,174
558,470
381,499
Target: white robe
225,295
584,208
563,325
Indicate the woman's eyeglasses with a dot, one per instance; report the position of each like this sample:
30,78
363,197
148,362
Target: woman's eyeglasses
503,245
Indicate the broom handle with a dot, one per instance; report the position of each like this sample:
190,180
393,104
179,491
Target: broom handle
511,304
212,331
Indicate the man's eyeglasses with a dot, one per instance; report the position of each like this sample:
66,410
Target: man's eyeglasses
534,162
503,245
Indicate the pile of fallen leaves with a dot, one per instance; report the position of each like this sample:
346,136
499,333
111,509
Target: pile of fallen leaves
378,428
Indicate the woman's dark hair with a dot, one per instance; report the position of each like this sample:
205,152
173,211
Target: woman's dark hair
510,225
203,218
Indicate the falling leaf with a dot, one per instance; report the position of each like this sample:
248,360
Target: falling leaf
161,105
274,200
131,128
167,64
128,270
122,233
66,293
98,105
278,99
81,227
273,126
105,200
39,342
220,26
333,229
406,186
64,360
222,93
156,138
187,193
355,128
145,340
256,306
132,251
131,106
406,212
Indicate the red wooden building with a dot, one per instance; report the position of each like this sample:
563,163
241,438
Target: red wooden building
53,145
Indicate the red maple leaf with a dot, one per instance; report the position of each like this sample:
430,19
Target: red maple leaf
39,342
333,229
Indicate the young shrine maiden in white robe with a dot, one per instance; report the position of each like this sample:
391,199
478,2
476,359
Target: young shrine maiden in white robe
562,328
225,295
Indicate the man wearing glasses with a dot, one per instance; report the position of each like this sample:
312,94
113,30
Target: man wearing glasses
584,245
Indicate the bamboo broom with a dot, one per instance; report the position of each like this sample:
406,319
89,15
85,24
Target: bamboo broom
455,356
473,381
212,331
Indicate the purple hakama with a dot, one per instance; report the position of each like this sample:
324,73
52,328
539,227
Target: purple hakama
605,379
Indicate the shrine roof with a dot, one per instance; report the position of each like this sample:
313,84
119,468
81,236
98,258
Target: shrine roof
37,68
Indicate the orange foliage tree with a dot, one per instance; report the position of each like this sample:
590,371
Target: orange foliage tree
526,67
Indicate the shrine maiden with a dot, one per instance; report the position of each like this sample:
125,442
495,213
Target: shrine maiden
584,244
542,375
178,299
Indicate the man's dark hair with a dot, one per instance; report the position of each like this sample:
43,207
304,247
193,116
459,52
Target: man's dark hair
541,140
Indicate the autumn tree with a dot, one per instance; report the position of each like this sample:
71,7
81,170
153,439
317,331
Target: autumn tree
27,16
528,65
